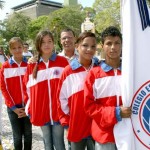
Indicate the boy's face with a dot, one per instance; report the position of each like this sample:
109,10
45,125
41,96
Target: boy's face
26,47
16,49
112,47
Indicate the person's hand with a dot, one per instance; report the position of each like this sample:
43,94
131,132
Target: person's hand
66,131
125,112
32,60
20,112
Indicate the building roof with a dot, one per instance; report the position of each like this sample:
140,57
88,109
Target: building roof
32,2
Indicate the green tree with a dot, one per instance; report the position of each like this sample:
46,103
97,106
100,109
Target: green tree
148,2
1,4
107,13
36,25
15,25
67,17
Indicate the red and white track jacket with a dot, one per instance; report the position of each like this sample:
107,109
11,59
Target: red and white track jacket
41,92
102,95
12,82
71,98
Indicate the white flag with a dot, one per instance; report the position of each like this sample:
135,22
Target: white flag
134,133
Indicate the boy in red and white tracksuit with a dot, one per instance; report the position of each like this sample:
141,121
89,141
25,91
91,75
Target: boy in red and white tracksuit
102,91
102,96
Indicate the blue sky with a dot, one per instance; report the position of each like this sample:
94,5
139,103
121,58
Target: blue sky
11,3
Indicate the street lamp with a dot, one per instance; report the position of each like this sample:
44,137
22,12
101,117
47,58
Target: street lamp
87,25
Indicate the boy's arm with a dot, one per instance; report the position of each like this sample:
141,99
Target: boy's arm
104,116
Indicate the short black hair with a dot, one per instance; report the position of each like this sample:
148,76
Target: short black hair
110,31
25,43
68,30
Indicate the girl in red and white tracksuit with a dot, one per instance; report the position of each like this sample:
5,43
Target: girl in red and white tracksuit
41,81
12,73
71,93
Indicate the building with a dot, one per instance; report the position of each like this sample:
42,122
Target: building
70,2
36,8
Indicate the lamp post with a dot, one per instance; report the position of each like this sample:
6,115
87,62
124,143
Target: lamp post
87,25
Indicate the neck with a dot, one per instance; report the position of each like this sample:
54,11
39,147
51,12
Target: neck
85,63
46,57
115,63
69,53
18,59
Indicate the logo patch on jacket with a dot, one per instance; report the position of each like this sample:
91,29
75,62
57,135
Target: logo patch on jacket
56,72
141,114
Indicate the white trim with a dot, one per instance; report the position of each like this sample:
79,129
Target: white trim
46,74
107,86
71,85
14,72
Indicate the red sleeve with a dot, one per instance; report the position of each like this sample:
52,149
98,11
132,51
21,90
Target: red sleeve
63,101
25,89
104,116
8,99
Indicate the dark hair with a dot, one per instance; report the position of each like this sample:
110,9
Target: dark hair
110,31
68,30
25,43
84,35
14,40
38,43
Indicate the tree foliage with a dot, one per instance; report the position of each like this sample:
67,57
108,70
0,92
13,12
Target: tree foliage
1,4
107,13
36,25
67,17
16,26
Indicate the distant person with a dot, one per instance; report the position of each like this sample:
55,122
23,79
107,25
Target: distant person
12,73
41,80
67,38
3,57
26,51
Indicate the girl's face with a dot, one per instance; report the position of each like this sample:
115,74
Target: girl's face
16,49
47,45
87,48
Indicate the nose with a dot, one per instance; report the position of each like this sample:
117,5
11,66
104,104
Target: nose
112,46
89,48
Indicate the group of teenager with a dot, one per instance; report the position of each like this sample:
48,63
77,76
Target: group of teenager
72,91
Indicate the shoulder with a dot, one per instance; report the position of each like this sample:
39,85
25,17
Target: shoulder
6,64
62,60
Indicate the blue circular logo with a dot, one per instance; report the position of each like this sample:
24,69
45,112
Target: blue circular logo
141,114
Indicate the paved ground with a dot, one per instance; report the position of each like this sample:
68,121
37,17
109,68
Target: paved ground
7,142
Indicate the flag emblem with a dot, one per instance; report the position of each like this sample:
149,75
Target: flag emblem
141,114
